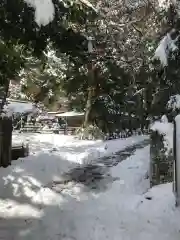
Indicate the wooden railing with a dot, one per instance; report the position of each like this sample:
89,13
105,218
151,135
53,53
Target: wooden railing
39,129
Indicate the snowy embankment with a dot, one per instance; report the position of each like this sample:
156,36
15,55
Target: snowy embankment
127,210
123,210
74,150
22,184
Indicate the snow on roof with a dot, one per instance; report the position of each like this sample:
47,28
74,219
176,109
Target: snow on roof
20,107
44,117
174,102
53,112
69,114
166,45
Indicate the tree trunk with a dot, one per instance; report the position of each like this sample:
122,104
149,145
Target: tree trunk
90,94
5,141
88,107
3,100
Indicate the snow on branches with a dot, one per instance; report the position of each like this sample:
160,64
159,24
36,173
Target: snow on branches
166,45
45,10
174,102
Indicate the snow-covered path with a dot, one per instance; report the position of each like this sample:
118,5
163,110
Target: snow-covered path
115,207
68,148
121,210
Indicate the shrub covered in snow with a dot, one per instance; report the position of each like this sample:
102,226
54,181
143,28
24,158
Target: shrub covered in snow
166,45
92,132
165,129
174,103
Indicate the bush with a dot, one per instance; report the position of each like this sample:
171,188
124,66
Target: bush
161,160
92,132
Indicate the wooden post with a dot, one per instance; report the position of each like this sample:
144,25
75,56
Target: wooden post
5,141
177,160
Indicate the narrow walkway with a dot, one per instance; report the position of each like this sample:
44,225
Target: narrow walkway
102,199
105,201
120,210
96,177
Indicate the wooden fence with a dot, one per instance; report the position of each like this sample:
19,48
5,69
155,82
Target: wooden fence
38,129
72,131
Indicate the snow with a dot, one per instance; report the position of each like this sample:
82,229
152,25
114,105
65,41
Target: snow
177,142
162,128
68,148
20,107
165,4
70,114
44,11
45,117
118,210
164,119
174,102
165,46
177,6
166,130
88,4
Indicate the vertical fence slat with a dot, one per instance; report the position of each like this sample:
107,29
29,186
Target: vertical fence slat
175,163
177,160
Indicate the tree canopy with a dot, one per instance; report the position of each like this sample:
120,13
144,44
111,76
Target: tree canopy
123,74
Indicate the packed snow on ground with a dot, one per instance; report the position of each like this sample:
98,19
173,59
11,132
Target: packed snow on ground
122,209
71,149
